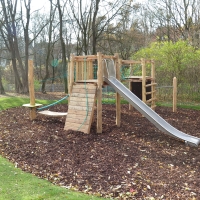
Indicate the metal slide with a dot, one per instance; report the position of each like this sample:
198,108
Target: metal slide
152,116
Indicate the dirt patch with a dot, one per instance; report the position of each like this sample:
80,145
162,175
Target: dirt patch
135,161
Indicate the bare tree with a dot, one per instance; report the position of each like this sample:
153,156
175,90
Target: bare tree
63,45
50,45
92,17
9,34
175,19
2,91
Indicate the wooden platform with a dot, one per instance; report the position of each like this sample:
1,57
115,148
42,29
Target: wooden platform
81,108
94,81
137,78
52,113
32,106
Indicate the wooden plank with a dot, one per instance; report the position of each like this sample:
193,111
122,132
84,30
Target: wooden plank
82,95
82,104
84,91
82,99
76,127
128,62
94,81
85,120
79,116
83,86
79,108
78,112
108,57
138,77
52,114
86,57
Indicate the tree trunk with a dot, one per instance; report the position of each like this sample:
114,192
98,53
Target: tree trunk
2,91
64,62
18,83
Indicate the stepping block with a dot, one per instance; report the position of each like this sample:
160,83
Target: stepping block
81,108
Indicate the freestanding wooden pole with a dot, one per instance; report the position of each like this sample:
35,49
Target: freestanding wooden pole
31,89
118,98
32,105
174,94
99,92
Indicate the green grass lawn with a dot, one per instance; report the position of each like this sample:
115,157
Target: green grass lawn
18,185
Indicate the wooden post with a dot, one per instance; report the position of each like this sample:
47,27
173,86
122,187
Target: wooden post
31,89
82,70
153,87
71,75
118,98
174,94
91,71
143,80
77,71
99,92
130,88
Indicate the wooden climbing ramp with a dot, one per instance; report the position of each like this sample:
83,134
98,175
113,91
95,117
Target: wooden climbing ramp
81,107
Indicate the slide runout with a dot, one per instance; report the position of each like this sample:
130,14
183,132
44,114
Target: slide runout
151,115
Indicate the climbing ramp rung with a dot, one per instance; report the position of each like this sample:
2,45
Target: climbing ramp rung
81,108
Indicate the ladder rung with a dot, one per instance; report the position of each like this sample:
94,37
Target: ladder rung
151,92
153,107
150,100
152,84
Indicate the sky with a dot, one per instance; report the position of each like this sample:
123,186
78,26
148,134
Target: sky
40,4
44,4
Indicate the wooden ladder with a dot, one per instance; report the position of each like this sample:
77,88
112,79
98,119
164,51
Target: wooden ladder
81,107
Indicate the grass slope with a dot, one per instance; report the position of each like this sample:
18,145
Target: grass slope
18,185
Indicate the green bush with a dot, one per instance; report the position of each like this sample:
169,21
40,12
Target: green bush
37,85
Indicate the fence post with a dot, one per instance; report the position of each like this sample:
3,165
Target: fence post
174,94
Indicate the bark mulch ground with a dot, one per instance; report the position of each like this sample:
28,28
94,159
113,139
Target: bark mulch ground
135,161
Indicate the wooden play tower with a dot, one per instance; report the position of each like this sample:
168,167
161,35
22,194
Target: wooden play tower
86,91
